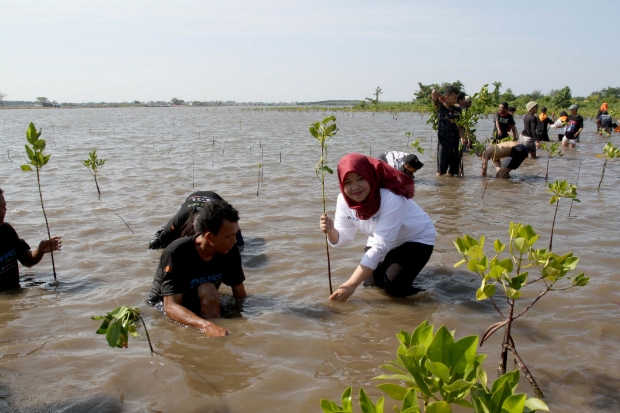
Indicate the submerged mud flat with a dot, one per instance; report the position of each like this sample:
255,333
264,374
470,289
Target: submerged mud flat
289,345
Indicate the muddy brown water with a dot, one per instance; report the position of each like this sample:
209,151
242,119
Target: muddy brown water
289,345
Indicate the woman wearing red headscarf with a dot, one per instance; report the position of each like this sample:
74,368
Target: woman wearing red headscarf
376,200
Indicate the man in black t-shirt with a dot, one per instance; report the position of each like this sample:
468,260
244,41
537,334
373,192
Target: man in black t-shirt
574,126
182,224
448,132
503,123
13,249
191,270
543,124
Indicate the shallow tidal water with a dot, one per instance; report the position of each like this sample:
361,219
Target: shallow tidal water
289,346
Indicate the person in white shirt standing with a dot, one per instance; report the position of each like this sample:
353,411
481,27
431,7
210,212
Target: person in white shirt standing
376,200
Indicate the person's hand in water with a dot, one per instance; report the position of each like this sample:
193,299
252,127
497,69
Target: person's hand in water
342,293
212,330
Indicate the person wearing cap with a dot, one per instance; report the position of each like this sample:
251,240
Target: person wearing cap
574,126
405,163
448,132
529,138
504,122
506,157
560,125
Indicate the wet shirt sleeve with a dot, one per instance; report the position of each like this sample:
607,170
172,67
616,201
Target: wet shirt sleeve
343,223
172,281
233,273
392,213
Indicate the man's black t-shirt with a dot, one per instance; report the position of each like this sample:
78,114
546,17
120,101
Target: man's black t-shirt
194,202
530,124
506,122
542,128
447,129
181,270
573,124
12,248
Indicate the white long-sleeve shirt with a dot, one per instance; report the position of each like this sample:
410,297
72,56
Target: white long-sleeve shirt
560,126
397,221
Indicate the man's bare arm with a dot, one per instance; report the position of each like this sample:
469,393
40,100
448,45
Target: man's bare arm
239,291
173,304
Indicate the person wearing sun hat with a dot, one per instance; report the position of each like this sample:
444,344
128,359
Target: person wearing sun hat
529,138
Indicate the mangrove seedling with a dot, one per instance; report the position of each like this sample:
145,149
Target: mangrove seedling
94,164
416,145
552,150
560,189
118,325
324,131
37,160
432,371
258,180
507,272
609,152
408,135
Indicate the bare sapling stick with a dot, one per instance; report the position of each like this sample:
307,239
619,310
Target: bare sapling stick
576,183
127,225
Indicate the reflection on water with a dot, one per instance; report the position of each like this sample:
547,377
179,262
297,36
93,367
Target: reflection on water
289,345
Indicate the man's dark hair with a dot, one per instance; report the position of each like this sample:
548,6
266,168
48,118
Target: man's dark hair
512,109
563,113
451,90
461,96
1,191
212,216
543,109
504,104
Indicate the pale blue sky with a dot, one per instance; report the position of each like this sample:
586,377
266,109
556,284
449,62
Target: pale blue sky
77,51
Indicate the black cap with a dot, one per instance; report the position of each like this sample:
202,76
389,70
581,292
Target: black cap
412,161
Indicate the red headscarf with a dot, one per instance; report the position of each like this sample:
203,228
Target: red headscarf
604,106
379,175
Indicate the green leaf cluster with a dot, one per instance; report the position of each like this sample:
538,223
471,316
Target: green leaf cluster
469,117
434,368
93,163
34,150
494,270
610,151
416,145
324,131
562,189
118,325
552,150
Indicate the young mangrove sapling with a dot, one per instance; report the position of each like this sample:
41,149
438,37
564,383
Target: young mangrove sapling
552,151
94,164
416,145
610,152
118,325
258,180
560,189
324,131
37,160
507,272
432,371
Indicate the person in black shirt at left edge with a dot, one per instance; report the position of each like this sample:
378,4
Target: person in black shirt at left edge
182,224
448,132
192,269
13,249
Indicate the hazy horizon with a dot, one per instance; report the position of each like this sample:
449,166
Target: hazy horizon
277,51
